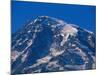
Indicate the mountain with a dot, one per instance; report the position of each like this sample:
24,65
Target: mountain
47,44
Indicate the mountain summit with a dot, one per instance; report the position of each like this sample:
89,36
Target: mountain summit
48,44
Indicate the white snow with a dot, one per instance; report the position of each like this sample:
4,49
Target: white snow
44,59
29,31
19,40
24,56
39,70
25,40
15,55
55,52
69,29
61,22
73,45
82,54
53,64
81,67
20,43
64,39
66,31
29,43
35,20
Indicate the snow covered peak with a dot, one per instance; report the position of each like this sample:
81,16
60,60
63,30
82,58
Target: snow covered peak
48,44
68,29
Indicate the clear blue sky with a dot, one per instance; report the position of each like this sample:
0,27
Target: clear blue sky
23,12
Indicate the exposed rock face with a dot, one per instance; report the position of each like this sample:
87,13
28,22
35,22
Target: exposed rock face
48,44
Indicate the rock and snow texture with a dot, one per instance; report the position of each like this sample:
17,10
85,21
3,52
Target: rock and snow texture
66,31
48,44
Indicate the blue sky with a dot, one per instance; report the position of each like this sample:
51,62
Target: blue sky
22,12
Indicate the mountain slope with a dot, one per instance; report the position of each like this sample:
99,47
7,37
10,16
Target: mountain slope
48,44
